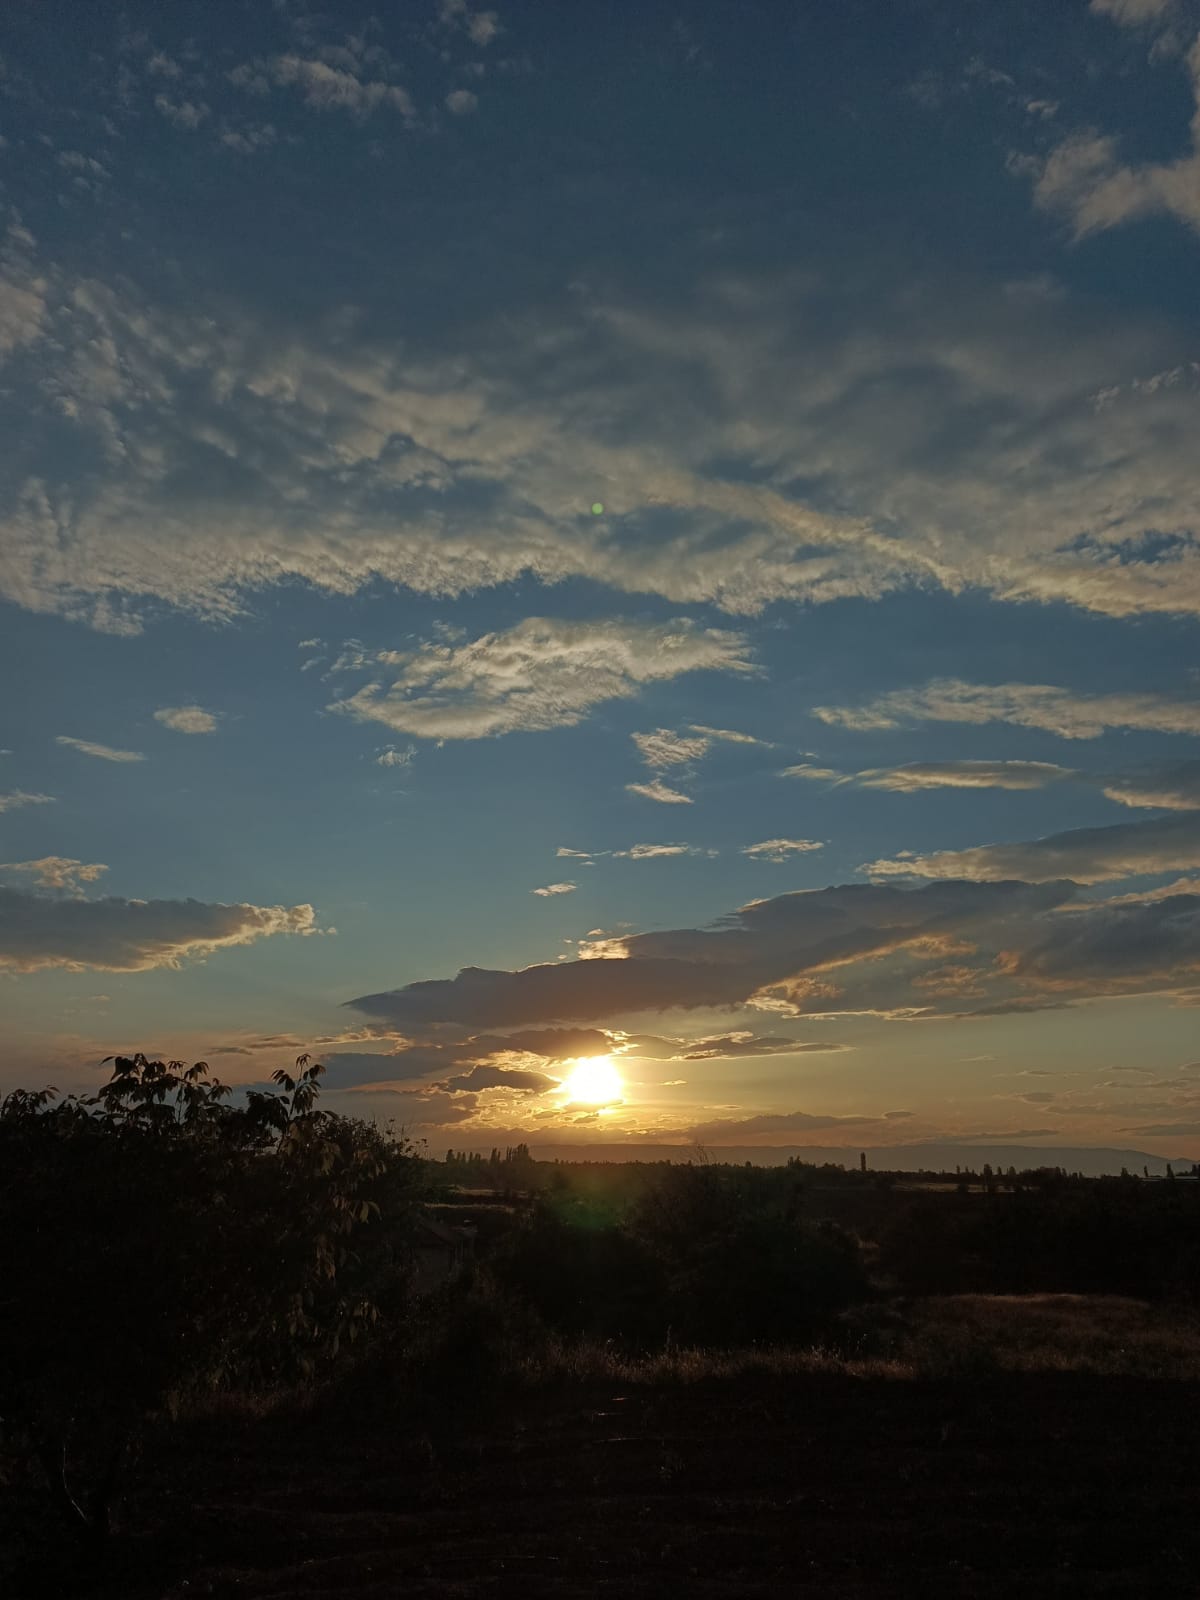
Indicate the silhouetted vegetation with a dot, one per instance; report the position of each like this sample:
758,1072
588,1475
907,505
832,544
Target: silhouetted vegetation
171,1252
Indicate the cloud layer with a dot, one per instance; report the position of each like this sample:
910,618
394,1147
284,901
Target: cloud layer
115,935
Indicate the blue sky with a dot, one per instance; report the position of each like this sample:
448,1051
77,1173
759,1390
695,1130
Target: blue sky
665,533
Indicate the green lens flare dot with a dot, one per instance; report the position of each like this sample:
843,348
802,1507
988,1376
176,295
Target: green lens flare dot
597,508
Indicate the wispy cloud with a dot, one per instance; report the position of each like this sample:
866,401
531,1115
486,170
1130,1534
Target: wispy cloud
1024,705
658,790
15,799
116,935
917,775
1084,178
540,674
102,752
555,889
1084,855
779,850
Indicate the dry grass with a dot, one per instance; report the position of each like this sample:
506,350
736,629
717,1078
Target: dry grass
941,1336
1100,1335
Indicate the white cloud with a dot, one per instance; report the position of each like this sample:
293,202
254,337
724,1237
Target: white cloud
187,719
539,674
356,461
15,799
1084,178
555,889
103,752
327,88
1084,855
652,852
662,748
57,872
728,735
390,756
658,790
116,935
1026,705
917,775
779,850
813,774
461,102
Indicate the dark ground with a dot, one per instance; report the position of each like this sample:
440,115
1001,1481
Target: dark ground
1042,1484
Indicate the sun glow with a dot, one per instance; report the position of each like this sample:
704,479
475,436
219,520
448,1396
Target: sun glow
594,1081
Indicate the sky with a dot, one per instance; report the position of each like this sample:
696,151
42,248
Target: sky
664,538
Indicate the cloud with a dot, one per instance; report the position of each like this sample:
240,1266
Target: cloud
1084,178
727,735
183,113
481,27
187,719
725,1128
390,756
732,1046
234,448
461,102
768,950
57,872
1133,13
555,889
116,935
15,799
103,752
653,852
539,674
494,1077
662,748
916,775
1084,855
658,790
1024,705
328,88
779,850
814,774
1174,786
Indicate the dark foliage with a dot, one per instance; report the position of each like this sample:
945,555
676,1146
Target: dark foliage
156,1242
702,1255
1100,1236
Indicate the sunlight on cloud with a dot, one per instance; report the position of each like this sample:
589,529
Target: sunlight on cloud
187,719
102,752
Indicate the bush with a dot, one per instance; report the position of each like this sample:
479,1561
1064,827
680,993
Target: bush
156,1242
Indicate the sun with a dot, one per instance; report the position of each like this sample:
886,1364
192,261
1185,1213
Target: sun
593,1082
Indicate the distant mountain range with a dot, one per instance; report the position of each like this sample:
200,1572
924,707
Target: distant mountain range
1092,1163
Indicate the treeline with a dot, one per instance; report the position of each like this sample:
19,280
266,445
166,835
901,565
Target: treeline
1064,1235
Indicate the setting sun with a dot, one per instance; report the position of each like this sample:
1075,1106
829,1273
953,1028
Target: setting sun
593,1082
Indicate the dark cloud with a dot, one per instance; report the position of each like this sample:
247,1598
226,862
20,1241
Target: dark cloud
776,1122
757,948
490,1077
116,935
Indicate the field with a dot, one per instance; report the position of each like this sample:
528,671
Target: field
970,1445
